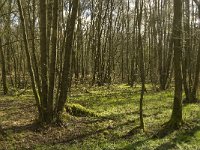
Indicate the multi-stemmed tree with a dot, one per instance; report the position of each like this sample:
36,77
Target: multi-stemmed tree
43,83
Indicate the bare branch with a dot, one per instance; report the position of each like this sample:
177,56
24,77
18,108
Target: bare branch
197,2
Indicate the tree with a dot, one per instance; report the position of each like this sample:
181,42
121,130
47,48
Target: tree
49,108
187,55
43,60
196,79
3,69
139,7
176,117
190,75
66,66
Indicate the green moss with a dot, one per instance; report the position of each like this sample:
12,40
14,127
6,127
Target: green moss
197,135
79,111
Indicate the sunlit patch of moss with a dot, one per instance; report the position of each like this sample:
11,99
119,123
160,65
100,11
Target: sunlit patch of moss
191,111
79,111
122,86
197,135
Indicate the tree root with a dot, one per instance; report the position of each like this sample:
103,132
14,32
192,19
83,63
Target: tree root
168,128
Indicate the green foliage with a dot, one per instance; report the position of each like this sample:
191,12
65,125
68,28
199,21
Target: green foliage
79,111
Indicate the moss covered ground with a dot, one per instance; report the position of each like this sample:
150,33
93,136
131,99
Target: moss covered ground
113,127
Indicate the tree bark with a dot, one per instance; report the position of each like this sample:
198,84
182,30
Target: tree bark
29,65
176,117
3,69
66,66
43,60
196,78
53,57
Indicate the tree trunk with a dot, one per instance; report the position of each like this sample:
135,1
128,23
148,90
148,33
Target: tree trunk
53,57
29,64
43,60
3,69
176,117
67,61
141,56
196,78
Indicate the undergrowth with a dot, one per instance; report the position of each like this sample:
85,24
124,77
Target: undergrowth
102,118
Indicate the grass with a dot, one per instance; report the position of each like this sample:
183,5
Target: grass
117,108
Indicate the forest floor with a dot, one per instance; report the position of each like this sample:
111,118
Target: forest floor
115,128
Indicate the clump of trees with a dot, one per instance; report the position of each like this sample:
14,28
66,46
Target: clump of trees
52,44
43,83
